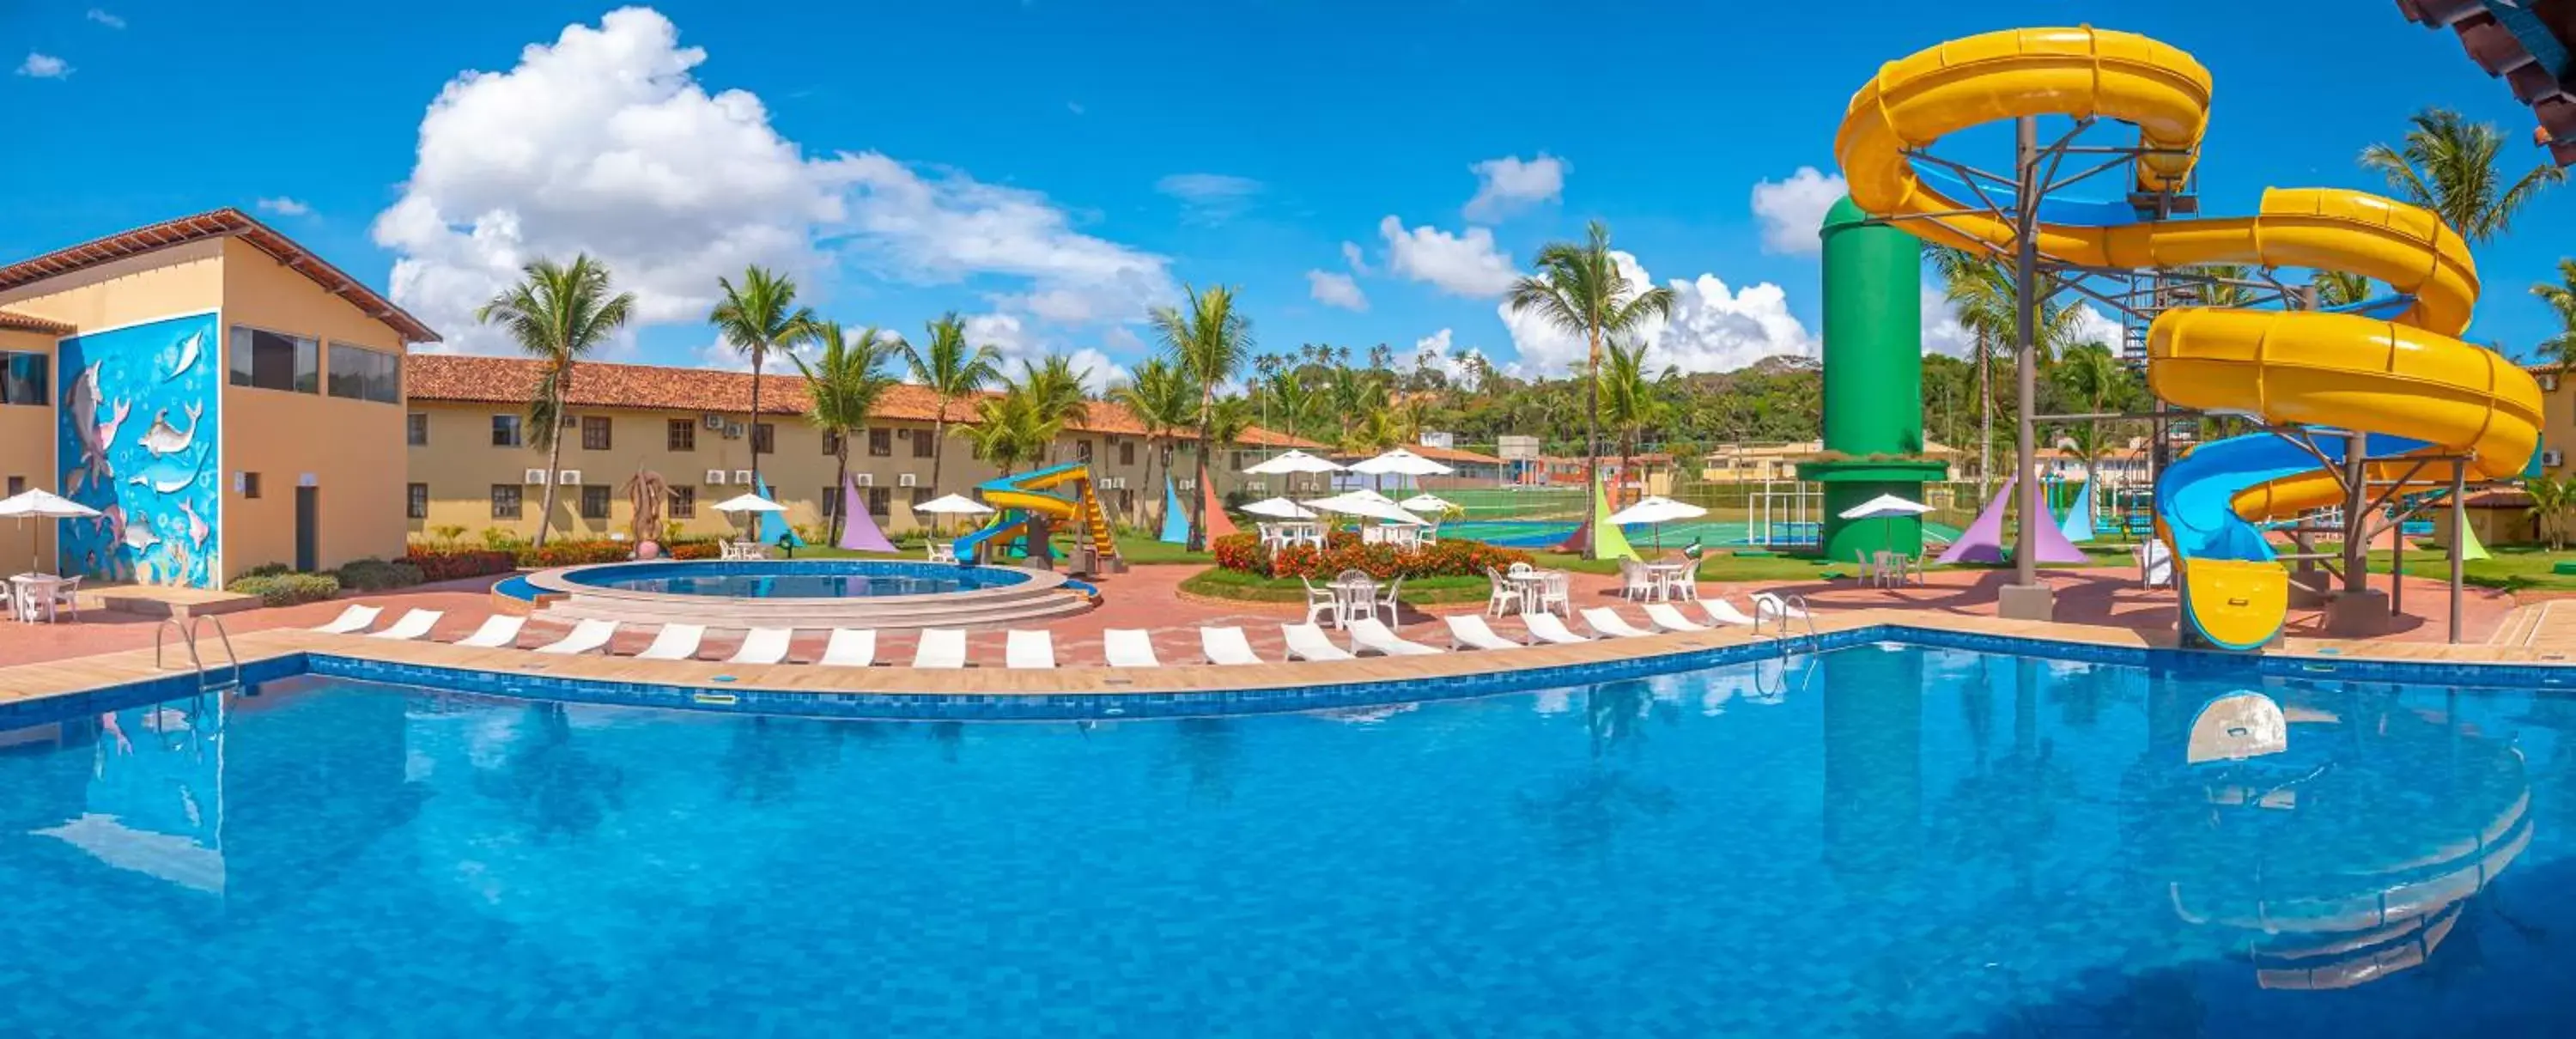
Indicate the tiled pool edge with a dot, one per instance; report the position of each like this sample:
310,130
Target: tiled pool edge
1065,706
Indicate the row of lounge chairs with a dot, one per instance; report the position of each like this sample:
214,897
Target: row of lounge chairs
945,648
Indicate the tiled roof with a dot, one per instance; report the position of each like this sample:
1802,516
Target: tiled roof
1445,455
27,323
222,223
507,380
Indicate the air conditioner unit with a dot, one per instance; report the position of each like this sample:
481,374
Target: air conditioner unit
733,431
715,477
742,476
571,421
903,433
712,420
2551,459
907,480
533,476
568,478
2549,383
1256,485
865,479
1189,485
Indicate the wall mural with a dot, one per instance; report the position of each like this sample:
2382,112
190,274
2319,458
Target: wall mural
137,440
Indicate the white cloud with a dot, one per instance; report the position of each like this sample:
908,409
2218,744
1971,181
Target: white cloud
603,141
1210,198
104,18
1352,255
2092,327
1943,334
1791,210
1509,184
1435,351
285,206
1463,265
1335,290
1713,328
44,66
1019,343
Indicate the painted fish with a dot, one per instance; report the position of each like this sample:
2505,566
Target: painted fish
197,528
140,538
169,474
166,439
188,351
107,430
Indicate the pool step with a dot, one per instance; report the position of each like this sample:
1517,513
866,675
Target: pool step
966,611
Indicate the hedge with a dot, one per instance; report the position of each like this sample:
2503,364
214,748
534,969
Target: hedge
285,589
377,575
1343,551
450,564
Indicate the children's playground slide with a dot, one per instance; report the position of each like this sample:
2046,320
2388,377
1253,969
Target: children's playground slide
2401,376
1024,498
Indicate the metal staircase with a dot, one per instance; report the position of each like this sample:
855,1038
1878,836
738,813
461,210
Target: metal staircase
188,638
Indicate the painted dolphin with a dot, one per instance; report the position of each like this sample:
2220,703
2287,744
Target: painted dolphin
197,528
166,439
170,474
140,538
189,348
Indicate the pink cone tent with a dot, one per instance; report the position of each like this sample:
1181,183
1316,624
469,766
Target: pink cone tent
1983,541
859,533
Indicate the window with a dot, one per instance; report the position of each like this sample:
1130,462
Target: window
831,500
921,443
1082,450
505,431
17,486
23,378
416,429
358,373
1239,463
1126,452
680,435
880,443
250,485
880,499
594,501
416,501
505,501
764,438
920,497
831,442
684,503
594,432
276,361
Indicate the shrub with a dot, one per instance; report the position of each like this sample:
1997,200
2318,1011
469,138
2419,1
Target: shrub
266,570
458,563
285,589
574,553
376,575
693,550
1343,551
501,540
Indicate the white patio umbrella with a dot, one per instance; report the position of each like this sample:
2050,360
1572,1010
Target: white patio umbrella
38,503
1400,462
1658,510
1425,503
1367,504
751,503
1886,507
1290,462
1279,508
953,505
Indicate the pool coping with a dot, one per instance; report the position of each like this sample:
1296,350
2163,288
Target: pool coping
36,692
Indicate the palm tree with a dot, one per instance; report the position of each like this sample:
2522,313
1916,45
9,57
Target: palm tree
2092,374
1979,289
2448,164
950,370
1010,428
1628,404
557,313
1055,385
2550,496
845,382
2560,348
2340,288
1162,401
1208,341
756,317
1579,289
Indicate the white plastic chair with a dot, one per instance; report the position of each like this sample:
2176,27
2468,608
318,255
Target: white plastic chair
763,646
1371,635
1308,642
1029,649
1636,583
1320,601
1227,646
1555,592
942,648
1547,627
585,637
1389,602
498,631
1503,598
850,647
1607,621
674,642
1469,631
413,624
1663,616
1129,647
355,618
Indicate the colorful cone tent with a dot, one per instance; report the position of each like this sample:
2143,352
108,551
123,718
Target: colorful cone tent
859,531
773,525
2078,527
1983,541
1218,525
1608,541
2469,546
1176,520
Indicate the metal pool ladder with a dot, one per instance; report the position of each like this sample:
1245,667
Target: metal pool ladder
1798,603
188,638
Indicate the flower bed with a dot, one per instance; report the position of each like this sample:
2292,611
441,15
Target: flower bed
1342,551
450,564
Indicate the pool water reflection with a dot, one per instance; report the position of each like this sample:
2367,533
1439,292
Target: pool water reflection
1873,842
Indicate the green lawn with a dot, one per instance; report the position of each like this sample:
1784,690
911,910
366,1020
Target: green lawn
1727,566
1218,583
2512,568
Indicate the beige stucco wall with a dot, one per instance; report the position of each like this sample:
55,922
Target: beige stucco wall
182,279
351,449
27,452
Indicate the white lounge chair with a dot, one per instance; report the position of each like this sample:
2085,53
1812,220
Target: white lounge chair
1227,646
585,637
1371,635
674,642
1548,627
1308,642
1663,616
1724,612
413,624
943,648
850,647
1029,649
1129,647
500,630
1607,621
763,646
1767,604
355,618
1469,631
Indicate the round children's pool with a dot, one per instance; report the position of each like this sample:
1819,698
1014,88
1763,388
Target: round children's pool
795,579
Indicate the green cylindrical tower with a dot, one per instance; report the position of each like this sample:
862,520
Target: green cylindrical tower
1873,361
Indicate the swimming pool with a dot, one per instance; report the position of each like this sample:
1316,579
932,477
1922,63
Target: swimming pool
795,579
1879,840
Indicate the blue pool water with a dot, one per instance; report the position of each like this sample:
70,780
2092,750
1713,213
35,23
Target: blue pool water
1875,842
796,579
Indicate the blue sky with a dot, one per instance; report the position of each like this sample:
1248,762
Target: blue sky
1053,167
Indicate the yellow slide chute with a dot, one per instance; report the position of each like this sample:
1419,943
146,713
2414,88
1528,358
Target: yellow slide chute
2406,376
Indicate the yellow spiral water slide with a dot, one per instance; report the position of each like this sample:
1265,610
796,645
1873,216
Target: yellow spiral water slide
2405,377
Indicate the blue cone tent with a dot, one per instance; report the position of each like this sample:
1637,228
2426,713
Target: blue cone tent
1176,520
2079,517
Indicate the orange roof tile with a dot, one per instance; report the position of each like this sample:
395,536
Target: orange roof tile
29,323
222,223
507,380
